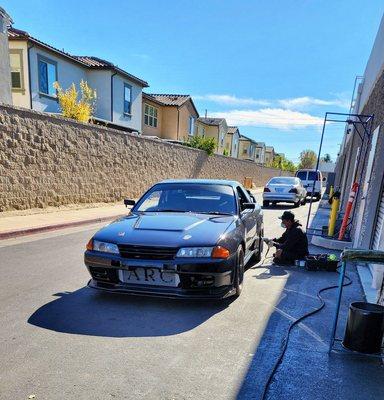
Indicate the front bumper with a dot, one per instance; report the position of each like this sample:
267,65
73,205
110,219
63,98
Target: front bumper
286,197
200,279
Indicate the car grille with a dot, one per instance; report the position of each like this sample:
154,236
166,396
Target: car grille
147,252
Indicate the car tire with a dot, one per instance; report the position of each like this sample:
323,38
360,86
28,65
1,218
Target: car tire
265,203
239,272
256,256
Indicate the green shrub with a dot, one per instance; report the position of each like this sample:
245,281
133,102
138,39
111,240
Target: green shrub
203,143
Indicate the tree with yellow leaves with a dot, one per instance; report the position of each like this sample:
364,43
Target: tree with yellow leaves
80,109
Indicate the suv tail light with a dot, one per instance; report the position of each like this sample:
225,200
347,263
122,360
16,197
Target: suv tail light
294,190
266,189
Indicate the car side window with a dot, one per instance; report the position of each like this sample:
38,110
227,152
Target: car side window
243,197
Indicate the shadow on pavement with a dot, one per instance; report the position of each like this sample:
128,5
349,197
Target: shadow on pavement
272,270
285,206
87,312
307,370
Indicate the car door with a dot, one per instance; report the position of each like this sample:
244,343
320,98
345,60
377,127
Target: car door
249,217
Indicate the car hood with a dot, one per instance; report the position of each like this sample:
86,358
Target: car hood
166,229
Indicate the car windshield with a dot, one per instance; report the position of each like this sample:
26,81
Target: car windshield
184,197
282,181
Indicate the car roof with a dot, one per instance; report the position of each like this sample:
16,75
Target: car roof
203,181
279,177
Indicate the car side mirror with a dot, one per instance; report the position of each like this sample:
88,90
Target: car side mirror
248,206
128,202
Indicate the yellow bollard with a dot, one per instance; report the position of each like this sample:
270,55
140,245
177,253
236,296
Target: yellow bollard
333,216
330,191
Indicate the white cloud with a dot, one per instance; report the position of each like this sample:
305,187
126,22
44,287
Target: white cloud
270,117
306,101
232,100
294,103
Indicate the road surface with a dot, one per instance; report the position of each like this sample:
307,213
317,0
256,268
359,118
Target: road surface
61,340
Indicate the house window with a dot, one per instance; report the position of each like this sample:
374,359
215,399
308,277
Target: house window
245,150
191,125
17,77
47,76
150,115
222,138
127,99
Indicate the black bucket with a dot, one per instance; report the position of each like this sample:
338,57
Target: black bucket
365,328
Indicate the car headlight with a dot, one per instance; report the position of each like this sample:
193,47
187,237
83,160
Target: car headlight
195,252
201,252
105,247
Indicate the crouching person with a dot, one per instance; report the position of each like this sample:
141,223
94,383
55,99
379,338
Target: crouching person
293,244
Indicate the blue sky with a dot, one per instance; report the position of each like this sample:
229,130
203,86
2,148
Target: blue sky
273,67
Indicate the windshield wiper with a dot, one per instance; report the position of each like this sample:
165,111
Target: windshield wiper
213,212
170,210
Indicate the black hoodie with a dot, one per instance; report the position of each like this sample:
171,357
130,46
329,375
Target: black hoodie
293,241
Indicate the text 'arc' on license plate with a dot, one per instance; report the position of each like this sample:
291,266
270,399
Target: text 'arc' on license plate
149,276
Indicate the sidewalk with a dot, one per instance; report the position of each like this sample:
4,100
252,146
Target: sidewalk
12,224
307,370
27,222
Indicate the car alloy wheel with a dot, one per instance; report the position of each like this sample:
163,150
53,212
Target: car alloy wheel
258,250
239,272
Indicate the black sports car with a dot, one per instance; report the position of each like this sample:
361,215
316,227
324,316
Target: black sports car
183,238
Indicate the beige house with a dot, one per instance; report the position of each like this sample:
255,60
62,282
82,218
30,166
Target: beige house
247,148
216,128
260,153
269,154
232,141
169,116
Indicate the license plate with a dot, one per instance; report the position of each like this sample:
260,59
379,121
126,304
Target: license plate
149,276
279,190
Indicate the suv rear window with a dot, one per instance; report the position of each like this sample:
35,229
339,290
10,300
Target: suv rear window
302,175
313,176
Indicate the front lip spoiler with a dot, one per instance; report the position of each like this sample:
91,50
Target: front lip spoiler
161,293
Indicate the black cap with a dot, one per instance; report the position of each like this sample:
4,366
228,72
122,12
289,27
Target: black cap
287,215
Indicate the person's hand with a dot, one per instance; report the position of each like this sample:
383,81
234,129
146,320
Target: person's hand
278,253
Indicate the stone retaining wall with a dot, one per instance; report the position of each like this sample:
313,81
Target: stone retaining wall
50,161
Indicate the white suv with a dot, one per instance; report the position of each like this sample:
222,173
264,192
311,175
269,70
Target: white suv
309,177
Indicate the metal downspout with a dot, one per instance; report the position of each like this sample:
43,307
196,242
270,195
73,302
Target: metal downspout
178,122
29,76
112,95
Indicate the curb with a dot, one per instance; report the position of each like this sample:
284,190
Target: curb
47,228
332,244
